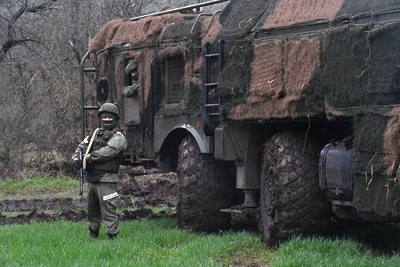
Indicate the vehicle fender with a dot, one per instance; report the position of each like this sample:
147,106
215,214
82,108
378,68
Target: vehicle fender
204,142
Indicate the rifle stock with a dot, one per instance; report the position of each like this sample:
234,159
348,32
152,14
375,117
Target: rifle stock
81,173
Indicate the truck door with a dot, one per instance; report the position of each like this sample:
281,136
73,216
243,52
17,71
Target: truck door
140,101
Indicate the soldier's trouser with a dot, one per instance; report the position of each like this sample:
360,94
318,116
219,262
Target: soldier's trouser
101,205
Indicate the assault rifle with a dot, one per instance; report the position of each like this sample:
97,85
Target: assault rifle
82,158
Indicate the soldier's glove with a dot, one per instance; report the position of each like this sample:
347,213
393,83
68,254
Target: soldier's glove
77,163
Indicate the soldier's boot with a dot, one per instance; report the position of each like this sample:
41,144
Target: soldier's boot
112,236
93,234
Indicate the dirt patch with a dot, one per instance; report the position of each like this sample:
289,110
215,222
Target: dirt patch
32,210
137,194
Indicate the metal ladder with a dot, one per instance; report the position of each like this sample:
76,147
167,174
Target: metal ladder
212,109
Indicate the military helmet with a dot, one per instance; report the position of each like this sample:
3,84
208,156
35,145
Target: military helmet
109,108
132,64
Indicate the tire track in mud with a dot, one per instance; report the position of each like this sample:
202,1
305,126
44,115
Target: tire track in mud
39,204
42,210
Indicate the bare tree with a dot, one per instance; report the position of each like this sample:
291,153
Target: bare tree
42,43
19,42
12,26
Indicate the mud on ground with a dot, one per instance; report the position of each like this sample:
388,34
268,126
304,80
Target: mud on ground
138,193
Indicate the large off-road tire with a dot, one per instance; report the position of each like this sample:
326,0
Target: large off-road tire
291,201
205,187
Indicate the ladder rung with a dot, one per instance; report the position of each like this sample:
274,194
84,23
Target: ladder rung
89,69
213,109
211,85
91,107
212,105
212,55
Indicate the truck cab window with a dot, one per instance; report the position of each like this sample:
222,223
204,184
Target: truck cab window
131,102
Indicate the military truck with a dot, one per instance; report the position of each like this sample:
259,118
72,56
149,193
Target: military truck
277,113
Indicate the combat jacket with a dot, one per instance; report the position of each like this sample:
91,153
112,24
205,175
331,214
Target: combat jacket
105,156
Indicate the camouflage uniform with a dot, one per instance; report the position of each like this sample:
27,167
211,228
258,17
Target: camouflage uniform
103,161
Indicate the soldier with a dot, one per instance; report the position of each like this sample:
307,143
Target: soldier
131,71
103,153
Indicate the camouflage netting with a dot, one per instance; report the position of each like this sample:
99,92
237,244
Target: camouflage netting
240,16
302,76
344,71
285,13
361,66
120,31
365,73
361,6
391,143
375,165
290,12
176,27
167,28
281,72
390,160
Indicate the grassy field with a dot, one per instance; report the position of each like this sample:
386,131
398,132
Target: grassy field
161,243
140,243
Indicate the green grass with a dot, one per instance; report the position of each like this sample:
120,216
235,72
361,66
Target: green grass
160,243
330,253
38,186
144,243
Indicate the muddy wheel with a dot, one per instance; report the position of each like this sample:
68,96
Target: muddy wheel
291,200
204,188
